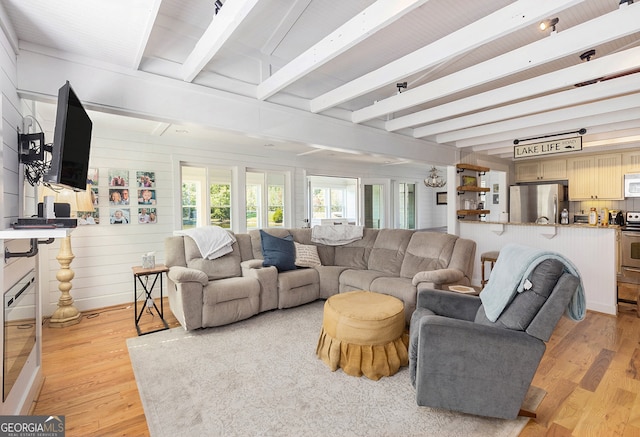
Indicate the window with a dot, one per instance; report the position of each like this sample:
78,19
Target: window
193,179
196,182
266,194
220,197
189,206
332,198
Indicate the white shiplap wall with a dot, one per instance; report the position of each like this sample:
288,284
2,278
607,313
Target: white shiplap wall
104,254
23,392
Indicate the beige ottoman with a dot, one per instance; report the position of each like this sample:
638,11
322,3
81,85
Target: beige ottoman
364,333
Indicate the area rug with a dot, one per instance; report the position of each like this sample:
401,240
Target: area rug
261,377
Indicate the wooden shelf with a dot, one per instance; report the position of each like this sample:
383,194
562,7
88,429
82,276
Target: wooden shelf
462,167
462,213
465,212
474,189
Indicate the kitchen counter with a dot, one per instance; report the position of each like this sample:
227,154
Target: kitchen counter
592,249
570,225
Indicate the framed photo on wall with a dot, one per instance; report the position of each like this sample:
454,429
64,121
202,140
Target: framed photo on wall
146,179
147,215
469,181
118,196
118,177
146,197
441,198
119,216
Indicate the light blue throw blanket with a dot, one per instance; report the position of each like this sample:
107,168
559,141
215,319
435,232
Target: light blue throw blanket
511,272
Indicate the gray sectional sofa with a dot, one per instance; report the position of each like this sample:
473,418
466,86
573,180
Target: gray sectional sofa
205,293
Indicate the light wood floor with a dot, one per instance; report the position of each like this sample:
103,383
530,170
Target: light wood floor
88,374
591,371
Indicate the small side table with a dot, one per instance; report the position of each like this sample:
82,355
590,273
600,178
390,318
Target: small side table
463,289
138,274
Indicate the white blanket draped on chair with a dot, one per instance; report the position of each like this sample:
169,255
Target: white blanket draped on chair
512,270
213,241
336,235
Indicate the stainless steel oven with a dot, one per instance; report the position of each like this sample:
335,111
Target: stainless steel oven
630,243
630,249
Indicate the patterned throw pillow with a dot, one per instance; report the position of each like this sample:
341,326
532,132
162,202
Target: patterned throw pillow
307,255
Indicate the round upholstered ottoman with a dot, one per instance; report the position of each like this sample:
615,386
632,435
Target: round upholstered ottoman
364,333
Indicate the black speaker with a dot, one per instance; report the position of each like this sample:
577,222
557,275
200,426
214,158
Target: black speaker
59,209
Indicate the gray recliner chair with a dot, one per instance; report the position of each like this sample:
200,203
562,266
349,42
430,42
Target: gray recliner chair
459,360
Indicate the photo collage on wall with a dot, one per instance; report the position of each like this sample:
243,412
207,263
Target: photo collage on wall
146,181
119,199
130,201
91,217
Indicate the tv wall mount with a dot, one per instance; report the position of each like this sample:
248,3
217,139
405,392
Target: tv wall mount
31,152
32,147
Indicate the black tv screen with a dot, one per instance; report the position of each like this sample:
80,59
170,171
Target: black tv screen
71,142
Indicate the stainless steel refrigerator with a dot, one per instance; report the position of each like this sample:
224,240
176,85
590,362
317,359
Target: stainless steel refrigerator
537,203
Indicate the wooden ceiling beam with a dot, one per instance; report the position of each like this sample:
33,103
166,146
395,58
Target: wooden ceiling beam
598,68
222,26
588,120
502,22
619,23
375,17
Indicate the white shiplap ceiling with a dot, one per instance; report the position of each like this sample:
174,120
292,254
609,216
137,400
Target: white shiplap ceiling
475,70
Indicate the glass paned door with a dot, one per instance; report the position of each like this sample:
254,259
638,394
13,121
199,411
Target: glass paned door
406,205
332,198
374,208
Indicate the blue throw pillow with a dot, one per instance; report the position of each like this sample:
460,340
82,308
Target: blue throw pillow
278,252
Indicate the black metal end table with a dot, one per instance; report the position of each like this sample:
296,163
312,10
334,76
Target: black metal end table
139,273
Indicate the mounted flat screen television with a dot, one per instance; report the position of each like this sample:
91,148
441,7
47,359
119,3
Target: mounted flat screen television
71,142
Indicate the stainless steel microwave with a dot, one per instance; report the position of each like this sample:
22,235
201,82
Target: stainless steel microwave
632,185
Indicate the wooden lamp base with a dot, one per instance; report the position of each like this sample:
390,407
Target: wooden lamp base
66,314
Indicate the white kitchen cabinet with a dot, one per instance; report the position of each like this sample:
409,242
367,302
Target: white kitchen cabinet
596,177
631,162
544,170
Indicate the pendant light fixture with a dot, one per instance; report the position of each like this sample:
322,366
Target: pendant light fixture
434,181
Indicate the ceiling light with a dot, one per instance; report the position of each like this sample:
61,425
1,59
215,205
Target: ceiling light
400,86
549,23
628,2
586,56
434,181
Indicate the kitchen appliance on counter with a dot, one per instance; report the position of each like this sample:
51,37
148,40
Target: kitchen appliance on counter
582,219
537,203
617,217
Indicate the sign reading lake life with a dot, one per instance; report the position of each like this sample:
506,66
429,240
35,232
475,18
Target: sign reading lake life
547,148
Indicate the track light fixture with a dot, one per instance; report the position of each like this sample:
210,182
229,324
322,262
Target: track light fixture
549,23
217,5
400,86
628,2
586,56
